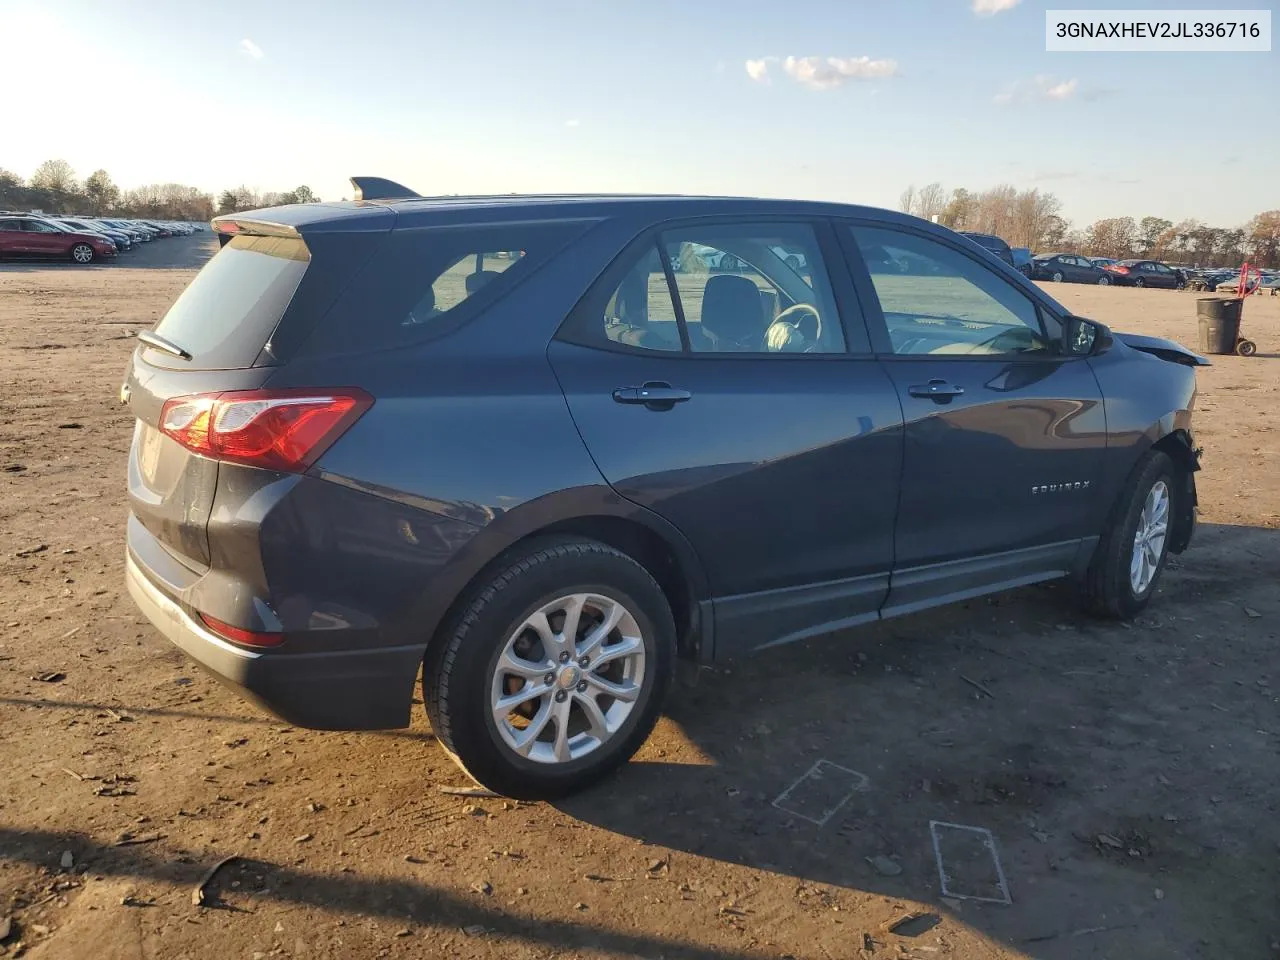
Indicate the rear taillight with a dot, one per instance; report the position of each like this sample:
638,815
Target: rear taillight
248,638
1115,269
274,429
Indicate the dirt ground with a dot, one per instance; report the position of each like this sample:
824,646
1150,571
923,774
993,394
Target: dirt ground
1128,773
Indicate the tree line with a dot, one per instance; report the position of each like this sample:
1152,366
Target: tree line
55,189
1033,219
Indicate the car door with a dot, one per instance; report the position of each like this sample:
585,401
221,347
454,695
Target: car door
1087,271
1165,276
1004,433
745,409
43,240
12,238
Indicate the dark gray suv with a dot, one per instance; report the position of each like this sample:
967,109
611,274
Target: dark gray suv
537,448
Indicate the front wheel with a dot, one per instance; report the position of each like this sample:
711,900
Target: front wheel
1131,553
82,253
1057,276
555,672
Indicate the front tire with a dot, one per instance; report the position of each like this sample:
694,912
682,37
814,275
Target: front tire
1131,554
555,672
82,253
1057,276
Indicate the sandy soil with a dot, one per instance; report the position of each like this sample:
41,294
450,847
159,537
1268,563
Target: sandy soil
1127,772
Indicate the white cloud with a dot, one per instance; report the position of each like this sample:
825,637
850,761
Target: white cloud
989,8
823,73
572,123
1038,88
758,70
251,49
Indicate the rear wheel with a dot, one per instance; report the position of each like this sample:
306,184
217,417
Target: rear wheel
82,253
1104,281
1131,554
1139,282
555,672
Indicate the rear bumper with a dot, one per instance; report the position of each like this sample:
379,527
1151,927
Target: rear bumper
365,689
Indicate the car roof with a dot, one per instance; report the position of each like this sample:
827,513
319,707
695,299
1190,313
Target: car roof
423,211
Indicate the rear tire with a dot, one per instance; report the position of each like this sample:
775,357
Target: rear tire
1104,281
82,253
509,643
1131,554
1139,282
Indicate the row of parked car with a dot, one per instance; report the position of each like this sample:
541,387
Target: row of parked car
80,239
1078,268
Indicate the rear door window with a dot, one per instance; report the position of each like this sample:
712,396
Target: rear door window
227,314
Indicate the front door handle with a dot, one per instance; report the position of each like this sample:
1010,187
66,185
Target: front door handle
654,394
937,390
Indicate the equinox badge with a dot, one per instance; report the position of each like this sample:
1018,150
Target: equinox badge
1060,487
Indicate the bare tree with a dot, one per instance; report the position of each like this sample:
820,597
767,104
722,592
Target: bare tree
907,202
56,176
1264,238
1113,237
100,192
931,201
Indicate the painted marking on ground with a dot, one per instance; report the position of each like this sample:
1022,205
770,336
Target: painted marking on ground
821,791
967,859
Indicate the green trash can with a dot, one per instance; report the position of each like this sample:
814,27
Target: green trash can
1219,323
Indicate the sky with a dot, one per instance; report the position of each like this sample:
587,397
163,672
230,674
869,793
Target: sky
844,100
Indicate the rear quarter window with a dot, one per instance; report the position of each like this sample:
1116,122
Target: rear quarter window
424,282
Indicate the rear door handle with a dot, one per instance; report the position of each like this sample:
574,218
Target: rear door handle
653,394
936,389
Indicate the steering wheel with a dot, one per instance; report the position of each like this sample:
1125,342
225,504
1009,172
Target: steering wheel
802,316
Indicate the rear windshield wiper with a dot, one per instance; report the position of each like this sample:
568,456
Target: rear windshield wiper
160,343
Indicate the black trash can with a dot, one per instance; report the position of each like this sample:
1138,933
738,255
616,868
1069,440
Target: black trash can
1219,323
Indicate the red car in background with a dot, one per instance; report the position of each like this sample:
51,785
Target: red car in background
32,237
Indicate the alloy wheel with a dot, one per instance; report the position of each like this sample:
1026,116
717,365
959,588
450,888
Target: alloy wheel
568,678
1149,538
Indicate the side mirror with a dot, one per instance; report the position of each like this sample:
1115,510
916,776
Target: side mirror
1084,338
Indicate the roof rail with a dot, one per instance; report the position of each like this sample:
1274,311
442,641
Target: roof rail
377,188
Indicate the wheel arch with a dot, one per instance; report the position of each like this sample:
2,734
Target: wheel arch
596,515
1178,446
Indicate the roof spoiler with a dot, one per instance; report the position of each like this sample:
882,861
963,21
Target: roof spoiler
377,188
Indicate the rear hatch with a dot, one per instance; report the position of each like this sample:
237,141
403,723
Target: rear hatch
254,301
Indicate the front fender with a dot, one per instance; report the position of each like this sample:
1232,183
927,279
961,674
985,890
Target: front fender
1149,403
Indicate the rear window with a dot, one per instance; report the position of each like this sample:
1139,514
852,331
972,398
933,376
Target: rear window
225,316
